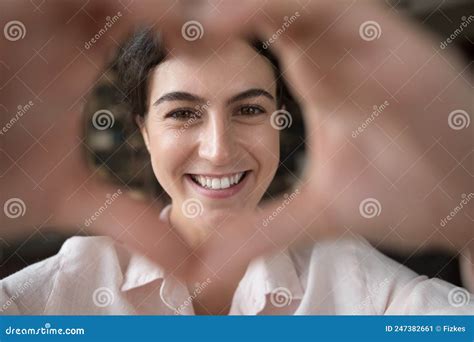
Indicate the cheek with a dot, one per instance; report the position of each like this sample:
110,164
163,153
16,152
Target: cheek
168,155
271,155
265,142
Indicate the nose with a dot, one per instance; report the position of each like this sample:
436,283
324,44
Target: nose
217,140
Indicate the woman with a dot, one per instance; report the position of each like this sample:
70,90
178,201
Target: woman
207,124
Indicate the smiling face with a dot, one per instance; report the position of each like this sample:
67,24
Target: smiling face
208,131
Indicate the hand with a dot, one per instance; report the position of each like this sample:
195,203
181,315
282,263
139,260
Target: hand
333,80
49,64
390,180
411,162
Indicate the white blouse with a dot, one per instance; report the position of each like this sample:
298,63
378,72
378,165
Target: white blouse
96,275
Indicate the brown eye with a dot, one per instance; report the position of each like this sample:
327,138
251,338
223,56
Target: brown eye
184,114
251,110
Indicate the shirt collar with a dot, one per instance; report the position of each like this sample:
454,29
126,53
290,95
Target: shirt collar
140,270
267,276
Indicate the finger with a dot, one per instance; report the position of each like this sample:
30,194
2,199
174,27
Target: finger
50,68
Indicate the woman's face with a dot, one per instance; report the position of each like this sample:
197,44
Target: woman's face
208,129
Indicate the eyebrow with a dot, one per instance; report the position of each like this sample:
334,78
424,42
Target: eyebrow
185,96
179,96
255,92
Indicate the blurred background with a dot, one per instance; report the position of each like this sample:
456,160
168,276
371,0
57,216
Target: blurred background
120,156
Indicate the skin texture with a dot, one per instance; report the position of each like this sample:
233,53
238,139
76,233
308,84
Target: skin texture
226,138
411,161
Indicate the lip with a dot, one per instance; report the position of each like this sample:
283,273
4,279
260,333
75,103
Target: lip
221,193
219,175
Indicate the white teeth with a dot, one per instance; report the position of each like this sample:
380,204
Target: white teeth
225,182
218,183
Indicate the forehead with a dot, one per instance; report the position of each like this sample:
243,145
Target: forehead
235,67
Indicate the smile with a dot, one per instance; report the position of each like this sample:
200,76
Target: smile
217,183
218,186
